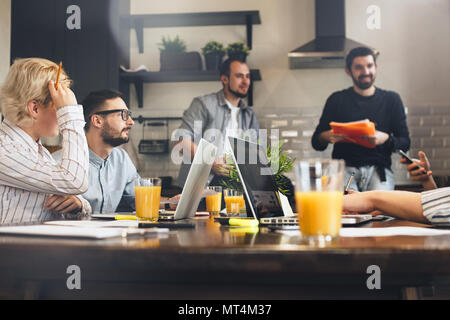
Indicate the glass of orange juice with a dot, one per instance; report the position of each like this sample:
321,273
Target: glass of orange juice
214,202
234,201
148,195
319,196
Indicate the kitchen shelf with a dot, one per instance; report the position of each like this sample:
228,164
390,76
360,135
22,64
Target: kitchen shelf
141,77
141,21
142,119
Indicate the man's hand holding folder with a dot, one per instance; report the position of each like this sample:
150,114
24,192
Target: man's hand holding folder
360,132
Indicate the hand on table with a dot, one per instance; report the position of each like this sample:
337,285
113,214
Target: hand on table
174,202
357,203
63,203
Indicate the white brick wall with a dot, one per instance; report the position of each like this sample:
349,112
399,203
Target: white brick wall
429,130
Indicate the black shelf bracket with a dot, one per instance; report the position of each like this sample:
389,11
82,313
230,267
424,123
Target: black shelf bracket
248,19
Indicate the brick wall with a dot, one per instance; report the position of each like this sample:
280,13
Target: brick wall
430,132
429,129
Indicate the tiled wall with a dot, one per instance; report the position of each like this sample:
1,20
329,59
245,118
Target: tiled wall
430,132
152,165
429,128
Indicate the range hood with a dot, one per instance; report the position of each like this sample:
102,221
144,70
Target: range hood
329,48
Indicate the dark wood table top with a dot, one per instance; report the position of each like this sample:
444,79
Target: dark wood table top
218,260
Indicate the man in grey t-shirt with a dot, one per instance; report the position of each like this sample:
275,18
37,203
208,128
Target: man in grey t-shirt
216,116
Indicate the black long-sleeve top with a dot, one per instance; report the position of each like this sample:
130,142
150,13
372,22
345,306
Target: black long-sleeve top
384,108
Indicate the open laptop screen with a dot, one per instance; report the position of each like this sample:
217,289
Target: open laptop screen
259,184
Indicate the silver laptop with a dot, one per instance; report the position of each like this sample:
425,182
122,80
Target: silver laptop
263,200
195,182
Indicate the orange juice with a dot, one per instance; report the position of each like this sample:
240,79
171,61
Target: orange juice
147,202
319,213
235,204
213,203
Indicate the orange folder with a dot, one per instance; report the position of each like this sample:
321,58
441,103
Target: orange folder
354,131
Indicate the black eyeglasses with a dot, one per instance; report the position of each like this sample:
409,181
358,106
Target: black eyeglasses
123,112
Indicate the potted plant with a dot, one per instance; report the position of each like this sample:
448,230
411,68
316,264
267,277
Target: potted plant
238,50
173,56
274,155
214,53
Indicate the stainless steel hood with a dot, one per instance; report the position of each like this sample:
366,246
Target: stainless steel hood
329,48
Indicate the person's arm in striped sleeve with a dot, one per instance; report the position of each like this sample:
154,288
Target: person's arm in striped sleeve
426,207
40,174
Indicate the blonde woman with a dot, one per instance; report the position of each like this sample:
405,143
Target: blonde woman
33,107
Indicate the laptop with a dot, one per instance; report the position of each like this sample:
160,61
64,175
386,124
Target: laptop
195,182
263,200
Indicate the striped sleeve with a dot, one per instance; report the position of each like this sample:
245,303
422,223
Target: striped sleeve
42,174
436,206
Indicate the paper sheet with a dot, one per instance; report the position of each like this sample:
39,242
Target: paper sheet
83,229
382,232
61,231
94,223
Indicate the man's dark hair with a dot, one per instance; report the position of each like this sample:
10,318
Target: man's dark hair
358,52
94,101
225,67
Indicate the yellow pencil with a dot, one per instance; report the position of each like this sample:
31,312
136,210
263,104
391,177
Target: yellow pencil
59,73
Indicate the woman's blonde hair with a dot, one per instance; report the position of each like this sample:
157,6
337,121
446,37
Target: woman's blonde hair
27,80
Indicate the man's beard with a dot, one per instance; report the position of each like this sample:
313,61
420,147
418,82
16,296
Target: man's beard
363,85
108,137
237,94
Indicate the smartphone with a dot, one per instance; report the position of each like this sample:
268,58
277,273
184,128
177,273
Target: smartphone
409,160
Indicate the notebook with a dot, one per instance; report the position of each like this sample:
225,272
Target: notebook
354,130
59,231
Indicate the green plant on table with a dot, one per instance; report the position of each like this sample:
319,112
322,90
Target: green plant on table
275,156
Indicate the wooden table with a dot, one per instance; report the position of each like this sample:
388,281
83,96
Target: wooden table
216,262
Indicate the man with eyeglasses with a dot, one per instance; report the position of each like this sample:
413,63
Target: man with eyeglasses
111,171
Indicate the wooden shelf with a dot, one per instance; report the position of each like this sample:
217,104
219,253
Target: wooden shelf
141,77
179,76
142,119
141,21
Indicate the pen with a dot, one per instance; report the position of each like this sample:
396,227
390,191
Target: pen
125,217
348,183
59,74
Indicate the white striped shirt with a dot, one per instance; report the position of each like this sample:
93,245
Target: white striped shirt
29,174
436,206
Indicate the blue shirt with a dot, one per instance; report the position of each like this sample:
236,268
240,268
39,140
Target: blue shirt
110,181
